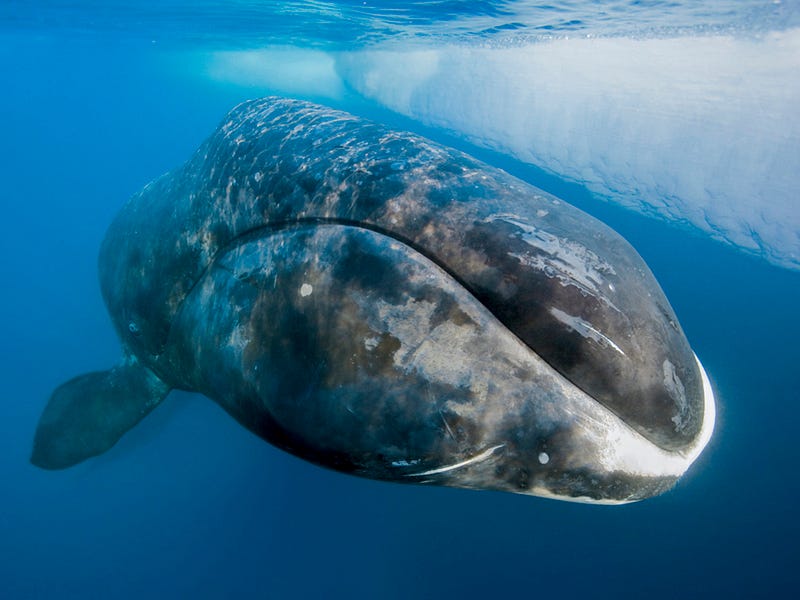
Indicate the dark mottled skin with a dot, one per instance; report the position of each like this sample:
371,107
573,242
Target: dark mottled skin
325,377
300,266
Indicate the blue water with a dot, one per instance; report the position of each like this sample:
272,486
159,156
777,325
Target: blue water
189,504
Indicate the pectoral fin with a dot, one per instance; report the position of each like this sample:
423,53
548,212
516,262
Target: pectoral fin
88,415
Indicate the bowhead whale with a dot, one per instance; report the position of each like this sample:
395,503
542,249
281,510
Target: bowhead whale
385,306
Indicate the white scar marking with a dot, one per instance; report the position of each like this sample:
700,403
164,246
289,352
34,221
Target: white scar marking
477,458
306,289
569,262
584,328
405,463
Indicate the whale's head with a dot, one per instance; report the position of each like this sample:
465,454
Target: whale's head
361,353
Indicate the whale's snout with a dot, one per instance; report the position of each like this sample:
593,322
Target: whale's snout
580,297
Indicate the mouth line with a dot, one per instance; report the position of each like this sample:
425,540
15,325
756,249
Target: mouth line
307,222
690,452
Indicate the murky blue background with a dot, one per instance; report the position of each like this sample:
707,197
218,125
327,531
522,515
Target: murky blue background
189,504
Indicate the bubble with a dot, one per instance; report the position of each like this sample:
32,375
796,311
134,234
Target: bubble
544,458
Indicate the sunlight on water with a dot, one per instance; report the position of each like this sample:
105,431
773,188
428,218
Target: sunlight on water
250,23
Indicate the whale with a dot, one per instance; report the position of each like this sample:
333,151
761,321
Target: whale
385,306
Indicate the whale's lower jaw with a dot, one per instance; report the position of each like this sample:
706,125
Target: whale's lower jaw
634,468
610,465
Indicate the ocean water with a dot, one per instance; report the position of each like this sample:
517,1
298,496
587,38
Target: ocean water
674,122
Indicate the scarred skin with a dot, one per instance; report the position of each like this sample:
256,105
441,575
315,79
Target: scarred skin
385,306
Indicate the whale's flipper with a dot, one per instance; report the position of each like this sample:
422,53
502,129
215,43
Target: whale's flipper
89,414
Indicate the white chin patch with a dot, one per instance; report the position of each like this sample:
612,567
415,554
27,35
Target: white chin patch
621,449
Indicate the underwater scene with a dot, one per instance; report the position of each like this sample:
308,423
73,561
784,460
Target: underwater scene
419,299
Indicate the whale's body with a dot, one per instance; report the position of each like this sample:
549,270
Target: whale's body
385,306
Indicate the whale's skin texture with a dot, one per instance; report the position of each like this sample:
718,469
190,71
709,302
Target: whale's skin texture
385,306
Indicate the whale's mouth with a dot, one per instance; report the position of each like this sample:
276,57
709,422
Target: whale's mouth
598,318
403,374
619,467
